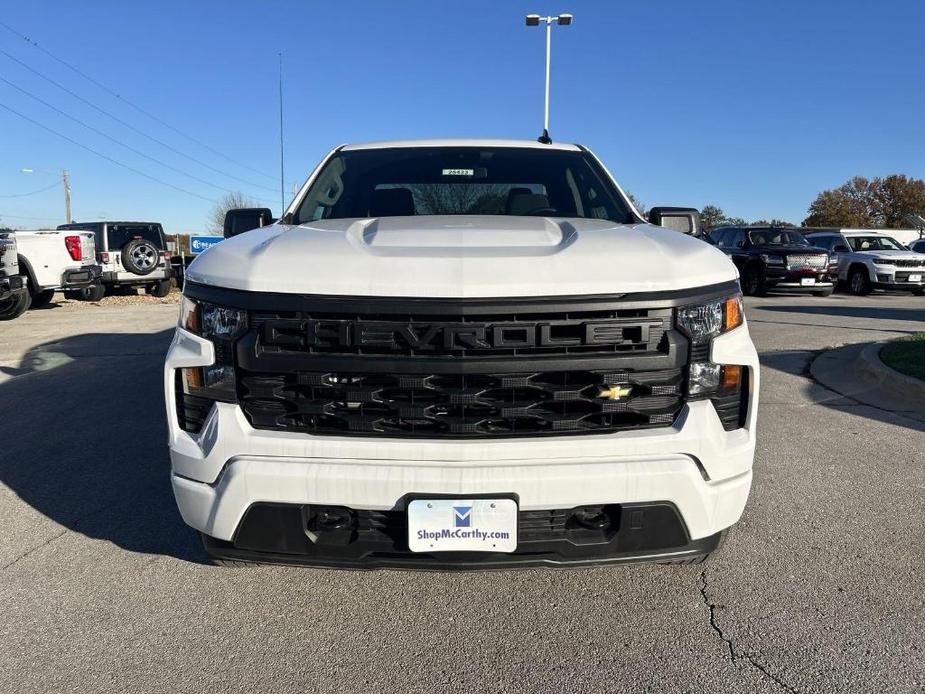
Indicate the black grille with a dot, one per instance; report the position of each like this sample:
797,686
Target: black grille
904,276
461,405
600,332
910,262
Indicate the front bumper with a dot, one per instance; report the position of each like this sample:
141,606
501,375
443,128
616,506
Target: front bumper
10,285
793,279
229,468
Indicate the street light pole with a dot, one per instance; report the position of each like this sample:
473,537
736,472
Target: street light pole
533,20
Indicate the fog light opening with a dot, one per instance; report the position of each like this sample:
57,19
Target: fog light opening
591,517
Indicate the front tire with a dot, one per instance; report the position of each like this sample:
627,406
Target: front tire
753,282
15,306
859,282
42,299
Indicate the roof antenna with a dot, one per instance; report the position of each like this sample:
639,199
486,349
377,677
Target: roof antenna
533,20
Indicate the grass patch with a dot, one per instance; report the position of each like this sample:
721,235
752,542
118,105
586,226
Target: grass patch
906,355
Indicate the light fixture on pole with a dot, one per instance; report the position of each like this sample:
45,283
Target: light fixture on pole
533,20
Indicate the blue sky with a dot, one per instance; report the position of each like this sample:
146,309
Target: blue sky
755,107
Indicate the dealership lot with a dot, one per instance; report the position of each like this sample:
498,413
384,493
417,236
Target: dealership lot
819,588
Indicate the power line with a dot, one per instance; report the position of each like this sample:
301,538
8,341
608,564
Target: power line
34,192
132,127
105,156
112,139
130,103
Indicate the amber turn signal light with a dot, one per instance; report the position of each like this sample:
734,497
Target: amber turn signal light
733,313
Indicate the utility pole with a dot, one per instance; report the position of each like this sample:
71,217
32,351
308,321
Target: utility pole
66,181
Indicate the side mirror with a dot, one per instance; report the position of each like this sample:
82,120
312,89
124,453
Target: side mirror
241,220
683,219
840,248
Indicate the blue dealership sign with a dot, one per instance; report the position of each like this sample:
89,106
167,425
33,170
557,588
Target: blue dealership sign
197,244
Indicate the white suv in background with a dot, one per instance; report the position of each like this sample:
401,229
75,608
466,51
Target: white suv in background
869,260
461,354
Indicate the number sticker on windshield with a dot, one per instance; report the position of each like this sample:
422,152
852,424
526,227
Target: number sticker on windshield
459,172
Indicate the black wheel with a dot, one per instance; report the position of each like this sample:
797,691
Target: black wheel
859,282
140,257
95,292
43,298
753,282
825,292
159,289
14,306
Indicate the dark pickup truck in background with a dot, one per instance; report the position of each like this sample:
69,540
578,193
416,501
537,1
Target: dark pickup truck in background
771,258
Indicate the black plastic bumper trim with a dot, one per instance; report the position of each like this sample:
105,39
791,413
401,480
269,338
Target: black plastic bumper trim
645,532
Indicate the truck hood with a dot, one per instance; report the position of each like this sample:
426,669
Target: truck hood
894,255
461,257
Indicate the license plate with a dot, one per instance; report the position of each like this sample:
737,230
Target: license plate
808,281
462,525
915,278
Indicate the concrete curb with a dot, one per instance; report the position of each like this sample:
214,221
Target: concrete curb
869,360
856,372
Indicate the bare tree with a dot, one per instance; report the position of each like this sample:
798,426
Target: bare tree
230,201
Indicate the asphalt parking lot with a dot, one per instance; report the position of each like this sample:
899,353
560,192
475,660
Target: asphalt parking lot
820,588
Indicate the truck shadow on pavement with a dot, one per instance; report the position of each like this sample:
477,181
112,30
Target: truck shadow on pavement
83,423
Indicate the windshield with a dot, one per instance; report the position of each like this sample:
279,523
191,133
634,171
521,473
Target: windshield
409,181
874,243
777,237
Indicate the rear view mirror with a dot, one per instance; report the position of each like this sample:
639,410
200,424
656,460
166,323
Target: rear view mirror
244,219
683,219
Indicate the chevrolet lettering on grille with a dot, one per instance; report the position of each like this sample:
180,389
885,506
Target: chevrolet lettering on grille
422,336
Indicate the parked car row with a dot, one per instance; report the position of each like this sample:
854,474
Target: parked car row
780,258
84,260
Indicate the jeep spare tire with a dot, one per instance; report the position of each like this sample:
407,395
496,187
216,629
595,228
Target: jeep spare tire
140,257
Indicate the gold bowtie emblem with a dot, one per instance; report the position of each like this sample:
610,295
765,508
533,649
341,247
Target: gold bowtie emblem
615,392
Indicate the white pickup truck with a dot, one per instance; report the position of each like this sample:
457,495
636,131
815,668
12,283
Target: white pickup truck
461,354
14,295
46,261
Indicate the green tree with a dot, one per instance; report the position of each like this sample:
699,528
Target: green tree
863,203
772,223
713,216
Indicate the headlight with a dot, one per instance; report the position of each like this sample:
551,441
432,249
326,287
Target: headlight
221,325
211,321
703,322
883,261
772,259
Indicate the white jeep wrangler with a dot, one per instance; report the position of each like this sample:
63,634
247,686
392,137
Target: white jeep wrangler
49,261
131,254
461,354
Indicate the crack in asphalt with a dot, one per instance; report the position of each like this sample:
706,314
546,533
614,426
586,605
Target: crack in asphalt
34,549
734,655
